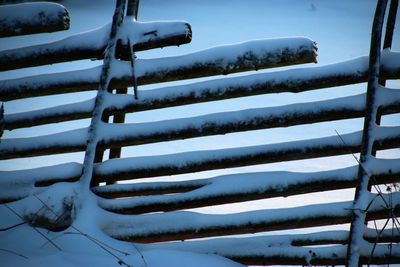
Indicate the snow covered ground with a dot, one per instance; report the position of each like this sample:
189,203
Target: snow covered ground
341,30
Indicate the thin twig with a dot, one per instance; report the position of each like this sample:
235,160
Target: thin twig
52,239
11,227
99,243
33,227
120,261
362,166
96,240
140,253
376,241
15,253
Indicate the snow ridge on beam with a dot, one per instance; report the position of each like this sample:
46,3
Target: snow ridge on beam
234,188
188,225
30,18
91,44
294,80
251,55
116,135
150,166
281,249
21,183
342,176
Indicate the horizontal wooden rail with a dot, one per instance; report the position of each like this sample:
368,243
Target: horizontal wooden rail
269,250
148,35
19,184
117,135
30,18
294,80
150,188
188,225
318,257
251,55
379,174
253,186
150,166
118,169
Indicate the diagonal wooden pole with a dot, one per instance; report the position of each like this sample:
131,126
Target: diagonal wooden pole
132,11
105,79
361,199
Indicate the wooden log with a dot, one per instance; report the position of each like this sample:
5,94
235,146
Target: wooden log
30,18
118,118
251,55
187,162
266,250
189,225
131,168
359,213
148,36
116,136
295,80
149,188
327,259
19,184
262,186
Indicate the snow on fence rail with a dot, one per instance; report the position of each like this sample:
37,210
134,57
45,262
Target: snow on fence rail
115,135
91,44
30,18
127,205
181,225
251,55
294,80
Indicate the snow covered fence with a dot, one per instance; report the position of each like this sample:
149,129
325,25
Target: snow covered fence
230,189
286,249
181,225
116,135
91,44
216,190
266,184
30,18
126,218
251,55
150,166
293,80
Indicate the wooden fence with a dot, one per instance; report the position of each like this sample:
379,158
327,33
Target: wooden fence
162,202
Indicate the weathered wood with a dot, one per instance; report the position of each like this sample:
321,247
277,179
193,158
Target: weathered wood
24,180
390,24
118,118
189,225
327,259
149,188
200,161
107,72
252,55
30,18
301,183
296,80
149,35
150,166
116,136
359,213
267,250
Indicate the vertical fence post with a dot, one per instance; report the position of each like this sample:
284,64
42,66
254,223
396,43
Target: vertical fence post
361,199
105,78
132,10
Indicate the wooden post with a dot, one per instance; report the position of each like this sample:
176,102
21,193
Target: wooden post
361,198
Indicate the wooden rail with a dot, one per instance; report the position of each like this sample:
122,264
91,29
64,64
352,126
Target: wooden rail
30,18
